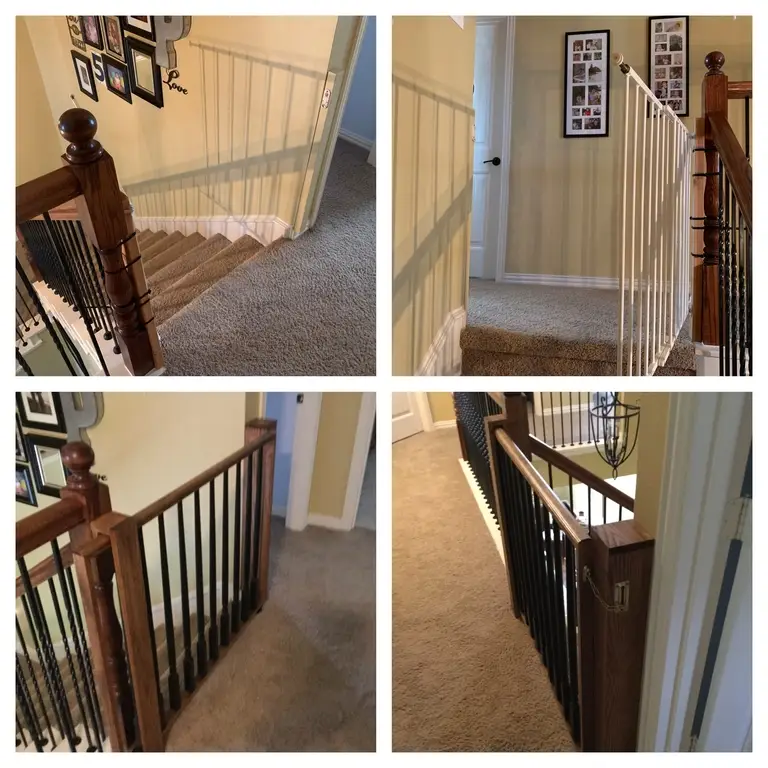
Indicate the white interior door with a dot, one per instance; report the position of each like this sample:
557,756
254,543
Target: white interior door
406,418
283,407
490,55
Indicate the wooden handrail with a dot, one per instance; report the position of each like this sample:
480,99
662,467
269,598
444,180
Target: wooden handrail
575,531
570,467
740,89
197,482
735,163
45,569
36,197
48,524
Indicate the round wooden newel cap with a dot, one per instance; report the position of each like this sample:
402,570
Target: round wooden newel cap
714,62
78,126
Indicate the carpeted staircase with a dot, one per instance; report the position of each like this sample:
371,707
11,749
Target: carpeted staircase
181,268
535,330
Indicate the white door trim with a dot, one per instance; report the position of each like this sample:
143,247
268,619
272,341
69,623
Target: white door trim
303,460
425,411
707,445
506,154
360,451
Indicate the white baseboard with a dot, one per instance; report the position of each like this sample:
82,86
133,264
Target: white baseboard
326,521
265,229
568,281
356,138
443,357
444,424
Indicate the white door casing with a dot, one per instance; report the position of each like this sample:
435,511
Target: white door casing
490,95
406,415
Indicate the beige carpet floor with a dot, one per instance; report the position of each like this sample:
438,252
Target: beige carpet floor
302,675
466,675
549,331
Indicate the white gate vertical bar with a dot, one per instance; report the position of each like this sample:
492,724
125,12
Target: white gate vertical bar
651,292
623,254
634,234
657,239
642,343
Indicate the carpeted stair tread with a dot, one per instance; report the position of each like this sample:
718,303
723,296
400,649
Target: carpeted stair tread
143,235
170,255
155,237
186,263
157,248
174,298
665,370
478,362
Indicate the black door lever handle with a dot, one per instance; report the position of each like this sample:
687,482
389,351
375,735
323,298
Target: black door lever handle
495,161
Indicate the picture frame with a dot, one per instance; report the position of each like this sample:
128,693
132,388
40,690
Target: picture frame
41,410
669,61
25,489
116,77
75,34
84,74
586,84
143,26
48,471
21,448
114,41
90,29
143,71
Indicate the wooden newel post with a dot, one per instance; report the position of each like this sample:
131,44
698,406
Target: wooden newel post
101,211
95,571
714,99
516,420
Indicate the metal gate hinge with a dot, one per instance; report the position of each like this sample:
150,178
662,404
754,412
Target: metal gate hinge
326,100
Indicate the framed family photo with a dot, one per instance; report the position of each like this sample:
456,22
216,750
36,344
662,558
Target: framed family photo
113,36
116,78
143,26
41,410
90,26
25,490
668,61
21,449
587,84
84,75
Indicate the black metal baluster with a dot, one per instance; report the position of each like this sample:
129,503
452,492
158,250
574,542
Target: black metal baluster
570,496
516,515
620,508
174,688
570,413
69,255
746,128
23,363
742,300
581,422
721,272
225,620
547,606
31,314
562,422
562,640
189,664
86,289
552,419
151,623
573,671
27,710
245,603
85,653
213,627
605,507
589,507
236,564
543,419
71,665
736,339
23,323
202,651
748,280
20,731
257,528
57,257
90,258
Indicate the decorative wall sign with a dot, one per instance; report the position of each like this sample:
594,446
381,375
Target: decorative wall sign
47,467
146,81
25,491
84,74
668,55
169,29
113,36
41,410
587,83
143,26
116,73
91,29
21,448
98,67
173,74
75,35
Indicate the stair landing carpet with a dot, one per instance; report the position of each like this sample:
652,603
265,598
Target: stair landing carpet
539,330
305,307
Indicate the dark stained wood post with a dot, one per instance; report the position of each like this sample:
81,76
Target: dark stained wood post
714,99
95,570
253,430
621,554
102,212
516,420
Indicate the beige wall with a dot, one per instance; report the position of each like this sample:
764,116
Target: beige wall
433,71
282,60
564,208
254,405
441,406
38,148
336,431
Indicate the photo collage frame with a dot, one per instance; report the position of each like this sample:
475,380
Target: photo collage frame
587,83
668,65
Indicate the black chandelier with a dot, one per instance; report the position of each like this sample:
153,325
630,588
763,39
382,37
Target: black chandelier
613,427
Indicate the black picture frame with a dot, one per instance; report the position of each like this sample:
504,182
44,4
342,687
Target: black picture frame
75,35
601,109
86,62
122,67
31,497
133,45
53,423
46,441
134,29
117,21
667,38
21,446
98,44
